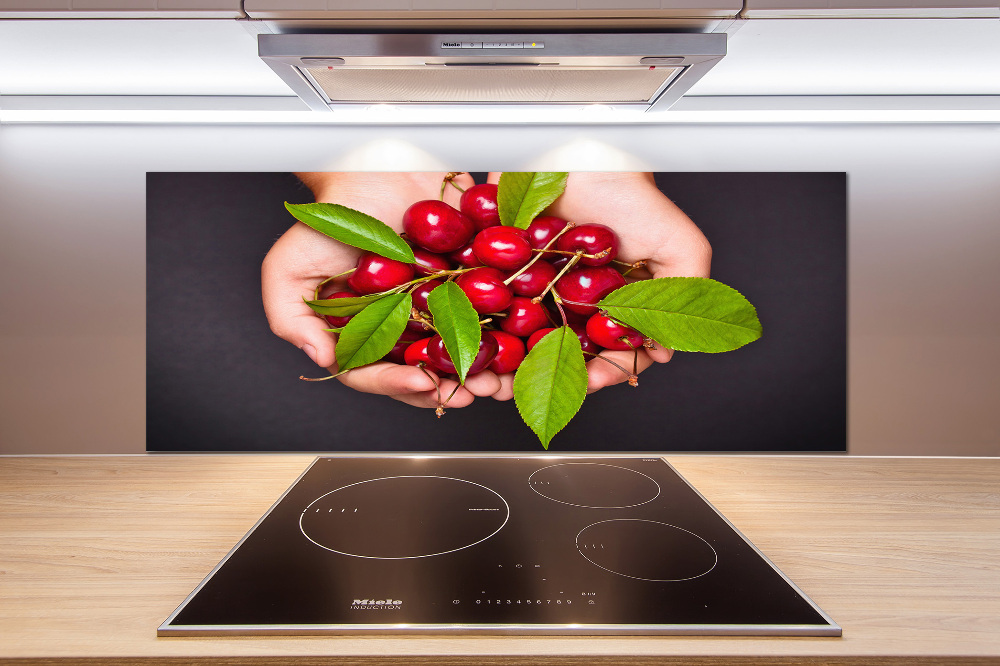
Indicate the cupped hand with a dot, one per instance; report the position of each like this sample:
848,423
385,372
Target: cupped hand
303,257
649,226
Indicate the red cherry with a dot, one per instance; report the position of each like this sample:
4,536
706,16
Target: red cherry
416,327
587,285
574,319
396,354
485,288
524,317
465,257
510,352
438,354
429,263
533,281
422,291
506,248
416,352
479,204
338,322
559,261
592,239
611,335
375,273
436,226
542,230
586,344
538,335
420,295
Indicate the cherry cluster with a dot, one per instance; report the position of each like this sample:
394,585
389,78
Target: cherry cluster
522,282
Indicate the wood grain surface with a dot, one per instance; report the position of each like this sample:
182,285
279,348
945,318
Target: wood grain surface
904,553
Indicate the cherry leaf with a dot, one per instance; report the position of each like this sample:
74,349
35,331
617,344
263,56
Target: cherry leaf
522,195
686,313
551,383
372,333
343,307
353,228
457,323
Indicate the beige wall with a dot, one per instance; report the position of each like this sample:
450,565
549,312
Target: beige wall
924,238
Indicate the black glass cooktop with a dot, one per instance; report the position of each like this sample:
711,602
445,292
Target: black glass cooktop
530,545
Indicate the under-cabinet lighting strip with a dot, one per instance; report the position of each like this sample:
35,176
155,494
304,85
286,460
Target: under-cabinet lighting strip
689,110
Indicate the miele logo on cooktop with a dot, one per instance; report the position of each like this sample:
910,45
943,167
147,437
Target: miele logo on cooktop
376,604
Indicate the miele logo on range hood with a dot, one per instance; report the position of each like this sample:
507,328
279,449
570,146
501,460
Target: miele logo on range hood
648,71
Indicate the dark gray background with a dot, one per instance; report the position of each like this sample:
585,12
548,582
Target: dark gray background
219,380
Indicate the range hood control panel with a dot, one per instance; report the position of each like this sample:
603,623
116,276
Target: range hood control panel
493,45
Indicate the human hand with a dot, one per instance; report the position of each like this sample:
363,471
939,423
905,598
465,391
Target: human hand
303,257
650,227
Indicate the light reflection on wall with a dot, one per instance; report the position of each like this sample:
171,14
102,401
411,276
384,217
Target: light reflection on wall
386,155
583,154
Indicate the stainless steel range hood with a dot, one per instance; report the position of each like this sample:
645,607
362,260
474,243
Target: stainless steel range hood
645,71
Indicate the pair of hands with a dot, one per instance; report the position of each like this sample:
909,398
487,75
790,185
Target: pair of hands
648,224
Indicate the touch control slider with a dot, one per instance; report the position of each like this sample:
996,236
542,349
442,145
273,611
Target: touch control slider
493,45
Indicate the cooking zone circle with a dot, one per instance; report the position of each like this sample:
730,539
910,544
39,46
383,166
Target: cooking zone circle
646,550
594,485
404,517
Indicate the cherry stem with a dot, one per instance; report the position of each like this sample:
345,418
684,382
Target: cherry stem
569,264
600,255
633,378
423,369
409,286
316,379
417,315
558,299
457,386
589,305
540,253
631,267
332,277
440,406
449,178
635,357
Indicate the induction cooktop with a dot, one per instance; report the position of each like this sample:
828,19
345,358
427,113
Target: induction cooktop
504,545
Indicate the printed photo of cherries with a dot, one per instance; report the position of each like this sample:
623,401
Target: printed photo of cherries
507,274
500,285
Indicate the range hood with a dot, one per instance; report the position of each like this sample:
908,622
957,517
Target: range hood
644,71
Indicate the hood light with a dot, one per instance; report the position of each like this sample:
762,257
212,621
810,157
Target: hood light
697,112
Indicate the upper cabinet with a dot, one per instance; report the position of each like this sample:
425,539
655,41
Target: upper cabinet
121,9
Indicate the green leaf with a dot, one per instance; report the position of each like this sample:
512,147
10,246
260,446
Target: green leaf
343,307
353,228
551,383
686,313
522,195
371,334
457,323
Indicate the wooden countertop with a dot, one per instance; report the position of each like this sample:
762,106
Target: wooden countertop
903,553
